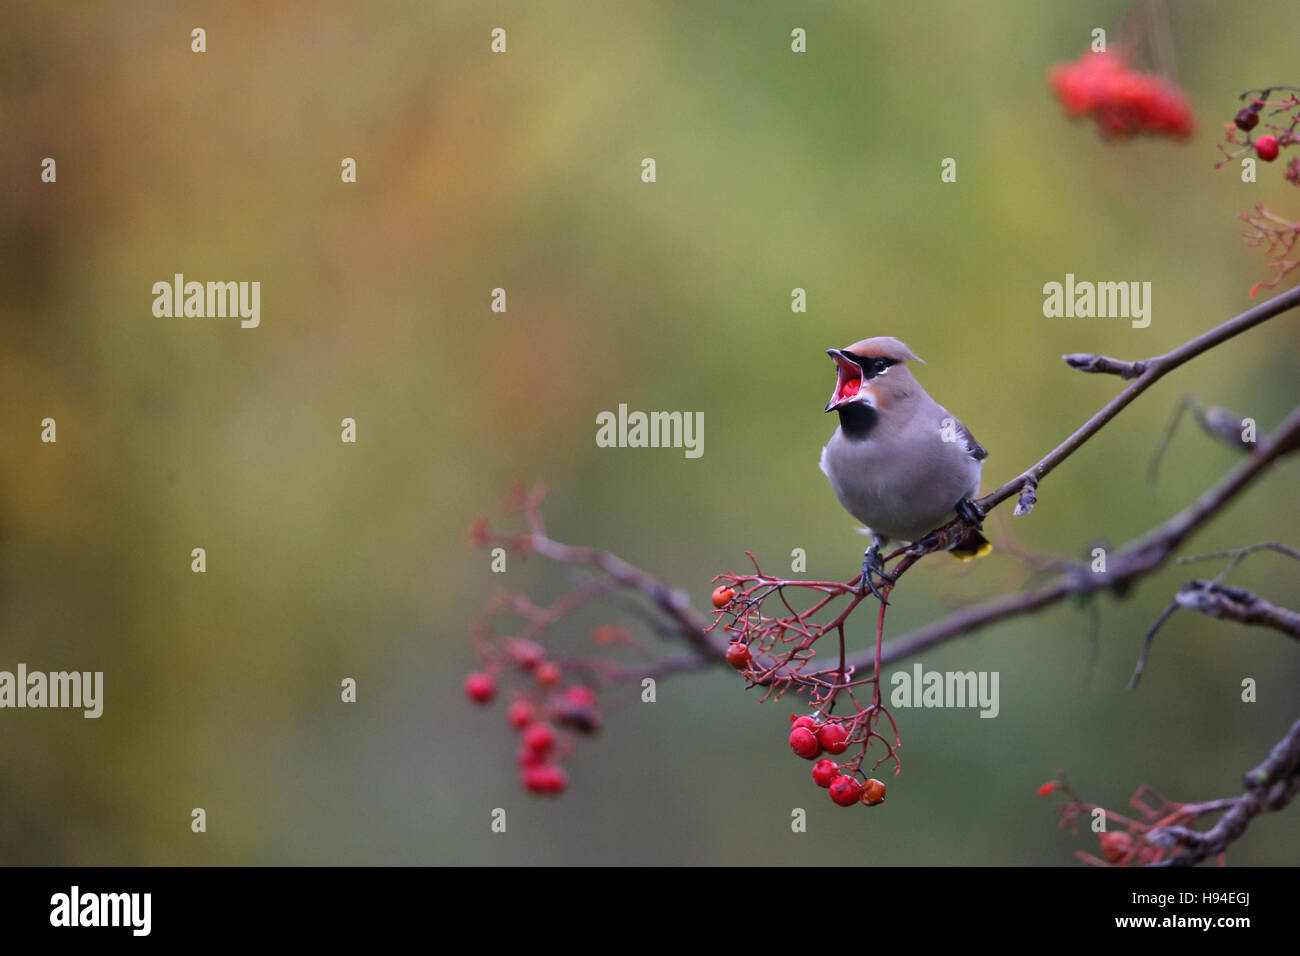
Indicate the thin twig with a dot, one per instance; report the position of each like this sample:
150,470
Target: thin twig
1145,374
1150,636
1239,554
1216,421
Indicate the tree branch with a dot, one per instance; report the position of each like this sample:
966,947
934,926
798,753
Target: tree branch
1219,601
1145,374
1269,787
1237,604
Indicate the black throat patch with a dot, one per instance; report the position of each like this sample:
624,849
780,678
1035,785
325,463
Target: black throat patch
857,420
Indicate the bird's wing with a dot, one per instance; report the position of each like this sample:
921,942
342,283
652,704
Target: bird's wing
976,450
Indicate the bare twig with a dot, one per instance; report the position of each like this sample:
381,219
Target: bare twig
1237,604
1145,374
1100,364
1150,636
674,603
1240,554
1216,421
1218,600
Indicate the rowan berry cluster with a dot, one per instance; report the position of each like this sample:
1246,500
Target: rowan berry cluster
775,652
555,698
1123,101
810,739
537,710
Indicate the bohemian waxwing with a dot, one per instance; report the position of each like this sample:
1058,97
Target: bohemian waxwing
899,462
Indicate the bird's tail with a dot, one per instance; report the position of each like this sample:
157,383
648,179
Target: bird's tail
974,545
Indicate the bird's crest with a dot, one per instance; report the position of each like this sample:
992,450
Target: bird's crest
884,346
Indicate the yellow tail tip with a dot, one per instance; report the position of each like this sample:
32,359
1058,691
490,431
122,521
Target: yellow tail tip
962,555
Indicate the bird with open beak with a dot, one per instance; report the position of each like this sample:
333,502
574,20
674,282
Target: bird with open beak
900,462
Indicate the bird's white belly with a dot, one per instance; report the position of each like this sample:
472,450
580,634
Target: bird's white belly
896,498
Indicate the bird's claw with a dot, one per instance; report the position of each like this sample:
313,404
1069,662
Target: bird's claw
872,564
971,513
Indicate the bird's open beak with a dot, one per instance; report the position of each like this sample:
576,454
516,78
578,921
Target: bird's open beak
849,382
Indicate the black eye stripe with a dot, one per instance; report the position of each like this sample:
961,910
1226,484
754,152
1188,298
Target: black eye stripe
871,367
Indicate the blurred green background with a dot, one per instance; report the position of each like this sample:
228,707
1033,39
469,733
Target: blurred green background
522,171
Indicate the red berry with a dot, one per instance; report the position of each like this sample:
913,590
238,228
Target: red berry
1246,119
547,674
845,790
804,742
1047,788
738,656
480,687
804,721
527,654
824,772
520,714
528,757
1115,846
722,596
1266,147
539,738
545,778
579,696
834,738
1123,101
873,793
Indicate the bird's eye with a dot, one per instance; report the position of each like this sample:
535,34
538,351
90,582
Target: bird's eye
880,365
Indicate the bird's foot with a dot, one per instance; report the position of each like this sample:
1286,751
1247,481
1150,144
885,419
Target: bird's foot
873,564
971,513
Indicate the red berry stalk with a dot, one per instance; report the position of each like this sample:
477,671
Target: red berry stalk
758,631
1124,841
